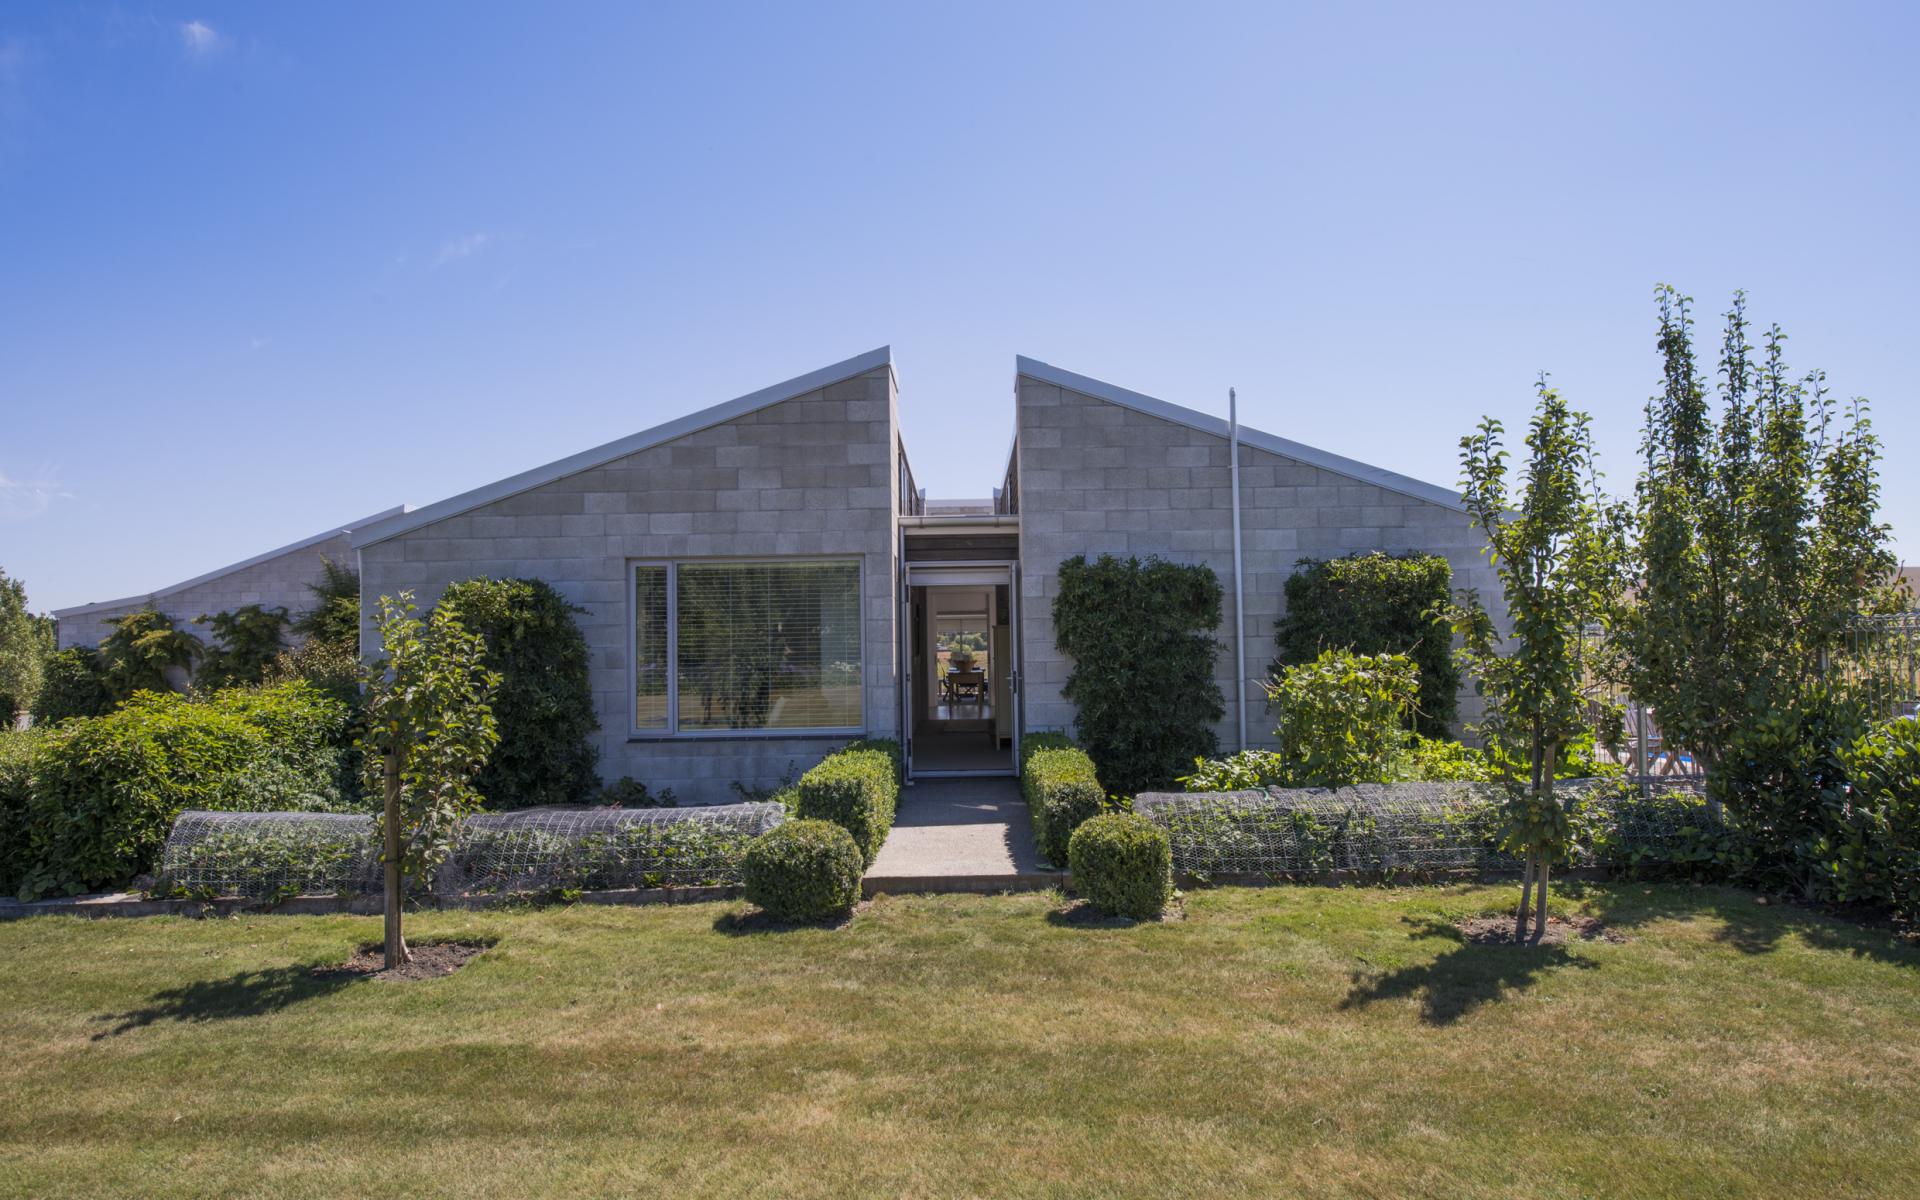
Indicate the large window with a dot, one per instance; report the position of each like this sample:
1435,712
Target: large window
746,647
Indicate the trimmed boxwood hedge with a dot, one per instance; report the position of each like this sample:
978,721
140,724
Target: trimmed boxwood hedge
1123,864
1058,783
803,871
856,788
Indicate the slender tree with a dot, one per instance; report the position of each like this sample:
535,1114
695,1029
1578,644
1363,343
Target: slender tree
1559,547
429,731
25,643
1760,542
143,647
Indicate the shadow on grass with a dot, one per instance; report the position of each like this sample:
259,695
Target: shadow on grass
1463,978
247,994
757,921
1746,924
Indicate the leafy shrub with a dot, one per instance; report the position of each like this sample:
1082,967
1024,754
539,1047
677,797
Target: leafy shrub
856,789
18,751
246,643
543,706
143,653
334,619
1123,864
1140,635
1342,718
1374,604
804,870
72,684
1870,848
1247,770
888,747
1782,776
1438,760
1061,789
631,793
107,789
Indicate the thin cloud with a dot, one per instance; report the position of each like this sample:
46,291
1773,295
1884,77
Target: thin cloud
461,247
24,499
201,39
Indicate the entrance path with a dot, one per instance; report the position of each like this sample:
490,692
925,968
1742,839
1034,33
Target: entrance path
960,835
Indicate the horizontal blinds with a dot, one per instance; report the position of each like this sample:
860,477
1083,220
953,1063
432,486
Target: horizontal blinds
768,645
650,648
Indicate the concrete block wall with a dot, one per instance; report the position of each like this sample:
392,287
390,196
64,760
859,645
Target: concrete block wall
283,581
1097,477
809,476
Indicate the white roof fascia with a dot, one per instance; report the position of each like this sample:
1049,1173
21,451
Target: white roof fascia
646,439
1380,477
80,610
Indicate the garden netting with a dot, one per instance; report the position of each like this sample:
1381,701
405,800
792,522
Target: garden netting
270,855
1416,828
277,855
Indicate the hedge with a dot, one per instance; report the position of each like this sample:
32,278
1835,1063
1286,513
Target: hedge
1058,782
804,871
1123,865
106,790
18,750
856,788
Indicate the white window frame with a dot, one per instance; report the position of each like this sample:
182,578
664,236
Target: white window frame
673,732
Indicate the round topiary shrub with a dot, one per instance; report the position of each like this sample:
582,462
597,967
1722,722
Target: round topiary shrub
1123,864
804,870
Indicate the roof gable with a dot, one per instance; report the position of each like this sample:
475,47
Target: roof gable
646,439
1326,460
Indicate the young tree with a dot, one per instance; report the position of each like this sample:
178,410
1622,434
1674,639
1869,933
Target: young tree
1759,538
1559,547
429,730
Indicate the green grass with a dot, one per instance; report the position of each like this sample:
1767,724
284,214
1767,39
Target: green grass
1277,1042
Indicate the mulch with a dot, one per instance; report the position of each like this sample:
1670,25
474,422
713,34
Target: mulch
431,960
1498,931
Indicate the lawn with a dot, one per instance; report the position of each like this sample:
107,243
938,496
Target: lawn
1285,1041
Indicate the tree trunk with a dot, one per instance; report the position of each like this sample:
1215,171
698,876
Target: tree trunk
1526,897
396,945
1540,909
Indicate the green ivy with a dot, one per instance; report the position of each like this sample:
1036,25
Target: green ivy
544,704
1140,637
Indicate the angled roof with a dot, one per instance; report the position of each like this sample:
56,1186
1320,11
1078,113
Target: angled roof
335,531
1326,460
586,460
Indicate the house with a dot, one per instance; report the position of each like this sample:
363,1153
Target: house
281,578
762,580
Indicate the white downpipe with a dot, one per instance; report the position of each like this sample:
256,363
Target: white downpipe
1239,593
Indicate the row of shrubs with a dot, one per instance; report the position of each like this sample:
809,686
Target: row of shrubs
1058,782
88,803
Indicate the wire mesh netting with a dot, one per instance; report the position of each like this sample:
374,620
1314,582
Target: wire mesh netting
1418,828
277,855
270,854
543,850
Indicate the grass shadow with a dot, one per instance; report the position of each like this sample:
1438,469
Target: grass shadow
757,921
1081,914
1747,924
246,994
1464,978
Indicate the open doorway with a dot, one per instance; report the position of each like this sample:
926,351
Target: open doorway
962,698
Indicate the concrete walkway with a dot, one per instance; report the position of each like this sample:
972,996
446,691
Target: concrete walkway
960,835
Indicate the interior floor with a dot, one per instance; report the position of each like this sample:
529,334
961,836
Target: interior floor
970,751
963,710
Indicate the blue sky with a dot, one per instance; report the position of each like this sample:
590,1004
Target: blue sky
266,268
